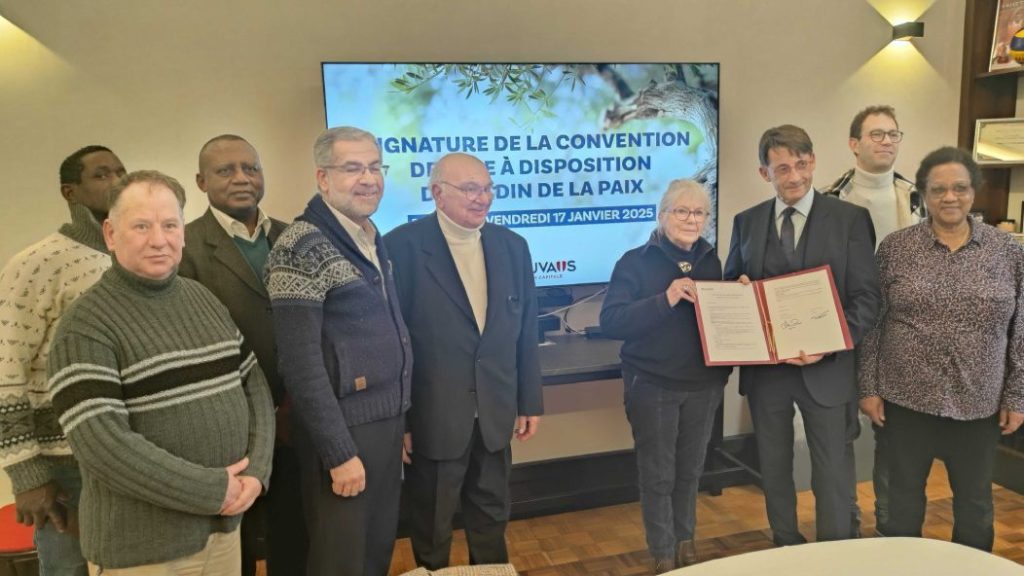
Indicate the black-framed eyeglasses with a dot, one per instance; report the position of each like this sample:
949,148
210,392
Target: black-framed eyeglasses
354,169
472,190
879,135
681,214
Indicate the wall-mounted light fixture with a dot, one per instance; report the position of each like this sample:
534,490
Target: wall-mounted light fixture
908,30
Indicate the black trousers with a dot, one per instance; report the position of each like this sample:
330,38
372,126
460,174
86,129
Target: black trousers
353,536
772,401
879,475
968,449
276,519
478,481
287,543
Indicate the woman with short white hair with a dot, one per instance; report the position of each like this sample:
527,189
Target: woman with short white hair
671,397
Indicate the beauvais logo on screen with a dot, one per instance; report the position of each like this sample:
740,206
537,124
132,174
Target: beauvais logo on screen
552,269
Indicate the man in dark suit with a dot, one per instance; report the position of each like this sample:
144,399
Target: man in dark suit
226,250
800,229
467,295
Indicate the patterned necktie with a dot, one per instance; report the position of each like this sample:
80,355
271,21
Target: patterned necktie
787,234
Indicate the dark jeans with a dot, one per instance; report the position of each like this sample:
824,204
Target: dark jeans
477,482
671,429
59,552
967,447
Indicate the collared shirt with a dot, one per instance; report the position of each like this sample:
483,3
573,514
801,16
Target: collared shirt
365,241
235,228
950,339
803,208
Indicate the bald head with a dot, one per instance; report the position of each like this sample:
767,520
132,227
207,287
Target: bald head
231,176
452,162
462,189
216,142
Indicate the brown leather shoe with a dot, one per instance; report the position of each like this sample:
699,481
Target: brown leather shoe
686,553
662,565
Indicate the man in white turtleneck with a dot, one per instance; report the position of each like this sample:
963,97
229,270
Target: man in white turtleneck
467,296
893,202
874,183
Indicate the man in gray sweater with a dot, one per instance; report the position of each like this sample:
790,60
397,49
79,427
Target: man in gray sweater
161,399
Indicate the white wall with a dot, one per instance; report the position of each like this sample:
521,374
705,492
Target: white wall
153,80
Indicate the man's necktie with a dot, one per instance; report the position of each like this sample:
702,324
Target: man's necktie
787,234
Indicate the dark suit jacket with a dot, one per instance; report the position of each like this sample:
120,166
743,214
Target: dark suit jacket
212,258
836,233
456,370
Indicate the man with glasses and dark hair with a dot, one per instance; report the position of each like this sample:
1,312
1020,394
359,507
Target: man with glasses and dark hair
894,203
345,358
36,287
796,230
467,293
873,183
226,251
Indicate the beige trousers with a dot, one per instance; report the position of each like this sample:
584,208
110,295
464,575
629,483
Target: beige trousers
221,557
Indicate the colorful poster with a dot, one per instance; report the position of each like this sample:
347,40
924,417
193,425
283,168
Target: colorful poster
580,154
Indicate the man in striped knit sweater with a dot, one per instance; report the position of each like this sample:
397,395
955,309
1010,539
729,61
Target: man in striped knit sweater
165,408
36,286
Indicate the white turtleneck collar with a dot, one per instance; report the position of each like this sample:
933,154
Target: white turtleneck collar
456,233
877,193
864,179
467,251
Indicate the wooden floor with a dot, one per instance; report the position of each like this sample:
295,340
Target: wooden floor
610,541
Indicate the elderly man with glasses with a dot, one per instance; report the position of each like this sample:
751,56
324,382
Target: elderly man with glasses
466,289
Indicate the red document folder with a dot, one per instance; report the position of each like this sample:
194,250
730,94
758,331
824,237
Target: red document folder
800,320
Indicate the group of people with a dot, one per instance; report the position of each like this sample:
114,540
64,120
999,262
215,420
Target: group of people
153,374
936,316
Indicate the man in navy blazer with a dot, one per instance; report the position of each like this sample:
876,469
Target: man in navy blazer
467,296
796,230
225,250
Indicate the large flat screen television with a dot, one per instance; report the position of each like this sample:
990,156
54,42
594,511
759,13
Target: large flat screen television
580,154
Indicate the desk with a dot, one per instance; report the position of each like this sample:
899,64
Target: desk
567,358
862,557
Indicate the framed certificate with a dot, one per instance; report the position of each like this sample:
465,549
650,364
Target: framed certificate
999,141
772,320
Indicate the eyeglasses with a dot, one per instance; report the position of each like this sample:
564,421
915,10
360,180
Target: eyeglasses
472,191
960,189
354,169
879,135
784,170
681,214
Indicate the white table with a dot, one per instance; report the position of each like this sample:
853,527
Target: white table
861,557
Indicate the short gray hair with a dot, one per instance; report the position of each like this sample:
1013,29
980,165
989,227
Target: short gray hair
683,187
147,177
323,148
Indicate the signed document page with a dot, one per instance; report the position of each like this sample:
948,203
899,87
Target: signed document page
804,313
731,325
